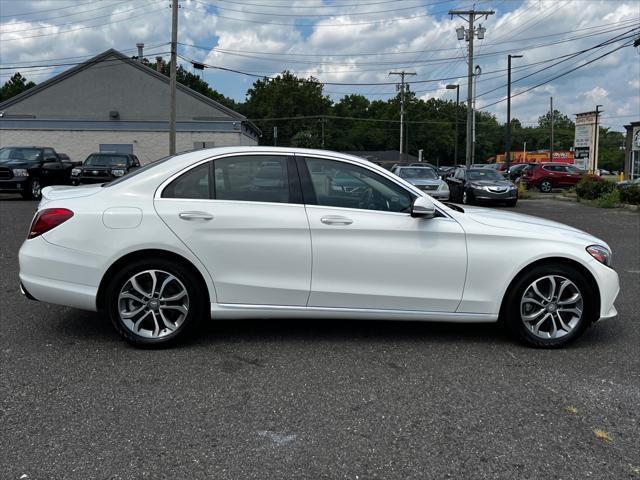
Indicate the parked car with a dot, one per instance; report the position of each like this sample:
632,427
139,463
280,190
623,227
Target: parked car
515,171
102,167
25,170
184,238
550,175
426,179
481,185
628,183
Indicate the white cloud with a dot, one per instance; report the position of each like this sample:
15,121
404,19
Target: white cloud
333,47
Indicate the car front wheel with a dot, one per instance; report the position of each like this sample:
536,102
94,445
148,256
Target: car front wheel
153,303
550,306
34,189
545,186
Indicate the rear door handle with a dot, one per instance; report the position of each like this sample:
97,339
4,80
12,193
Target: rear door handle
336,220
190,216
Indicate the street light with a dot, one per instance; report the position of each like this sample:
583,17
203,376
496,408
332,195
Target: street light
455,150
508,140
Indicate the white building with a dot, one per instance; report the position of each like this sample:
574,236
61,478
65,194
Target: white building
112,102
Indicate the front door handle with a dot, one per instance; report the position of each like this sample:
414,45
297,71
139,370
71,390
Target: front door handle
189,216
336,220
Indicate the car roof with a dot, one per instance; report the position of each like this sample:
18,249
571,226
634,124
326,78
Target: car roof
112,153
24,146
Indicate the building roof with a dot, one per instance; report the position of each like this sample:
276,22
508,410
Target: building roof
115,56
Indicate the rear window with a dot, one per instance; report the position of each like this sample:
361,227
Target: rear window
138,171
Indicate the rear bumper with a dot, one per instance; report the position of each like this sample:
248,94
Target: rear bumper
54,274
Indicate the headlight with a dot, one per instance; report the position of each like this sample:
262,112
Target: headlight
117,173
475,185
443,186
75,172
600,253
20,172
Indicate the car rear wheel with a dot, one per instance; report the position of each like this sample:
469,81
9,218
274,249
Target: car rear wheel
550,306
467,198
34,189
153,303
546,186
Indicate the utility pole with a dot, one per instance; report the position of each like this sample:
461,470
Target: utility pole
322,125
597,140
477,73
401,88
172,79
507,143
455,147
551,144
469,34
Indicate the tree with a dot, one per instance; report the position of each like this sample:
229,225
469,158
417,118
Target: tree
560,120
286,96
15,85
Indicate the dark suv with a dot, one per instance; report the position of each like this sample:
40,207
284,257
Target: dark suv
103,167
26,170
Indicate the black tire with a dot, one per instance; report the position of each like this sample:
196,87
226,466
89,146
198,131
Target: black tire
545,186
197,306
467,198
34,189
511,203
511,312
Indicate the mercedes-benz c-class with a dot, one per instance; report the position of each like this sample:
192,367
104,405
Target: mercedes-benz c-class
259,232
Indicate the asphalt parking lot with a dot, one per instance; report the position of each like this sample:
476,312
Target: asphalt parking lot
319,399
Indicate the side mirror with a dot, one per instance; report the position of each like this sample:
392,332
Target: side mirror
423,207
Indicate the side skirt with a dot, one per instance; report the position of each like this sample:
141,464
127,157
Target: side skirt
234,311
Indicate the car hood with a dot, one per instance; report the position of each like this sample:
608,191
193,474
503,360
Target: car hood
12,163
424,181
492,183
522,222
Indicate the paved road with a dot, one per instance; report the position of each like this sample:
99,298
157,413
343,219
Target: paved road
312,399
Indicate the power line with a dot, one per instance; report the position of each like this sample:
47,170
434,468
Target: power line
81,28
81,12
49,10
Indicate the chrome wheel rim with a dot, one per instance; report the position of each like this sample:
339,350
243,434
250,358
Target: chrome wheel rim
551,307
464,197
35,188
545,187
153,304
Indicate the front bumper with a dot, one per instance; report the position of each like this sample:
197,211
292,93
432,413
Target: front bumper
485,195
609,287
15,185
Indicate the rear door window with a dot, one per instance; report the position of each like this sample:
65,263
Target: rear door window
252,178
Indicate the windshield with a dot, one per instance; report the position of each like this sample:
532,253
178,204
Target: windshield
106,161
10,153
484,174
417,172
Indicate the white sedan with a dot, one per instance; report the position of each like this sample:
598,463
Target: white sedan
258,232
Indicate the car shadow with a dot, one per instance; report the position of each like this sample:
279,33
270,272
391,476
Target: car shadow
81,326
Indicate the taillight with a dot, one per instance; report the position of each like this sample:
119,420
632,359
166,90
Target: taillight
47,219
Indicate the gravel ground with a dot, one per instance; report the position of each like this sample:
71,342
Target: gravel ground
319,399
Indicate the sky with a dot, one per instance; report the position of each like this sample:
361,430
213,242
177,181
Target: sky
352,45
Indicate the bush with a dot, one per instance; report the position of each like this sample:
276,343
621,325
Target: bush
610,199
630,194
591,188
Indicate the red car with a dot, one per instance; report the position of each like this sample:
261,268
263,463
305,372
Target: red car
550,175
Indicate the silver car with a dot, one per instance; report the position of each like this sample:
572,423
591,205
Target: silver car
426,179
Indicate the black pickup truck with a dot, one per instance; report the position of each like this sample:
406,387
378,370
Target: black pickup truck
26,170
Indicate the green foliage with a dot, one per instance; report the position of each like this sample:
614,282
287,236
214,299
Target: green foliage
609,199
630,194
305,139
286,96
589,188
15,85
560,120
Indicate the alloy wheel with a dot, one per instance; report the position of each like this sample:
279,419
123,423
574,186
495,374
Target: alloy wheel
545,186
153,304
551,307
35,188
